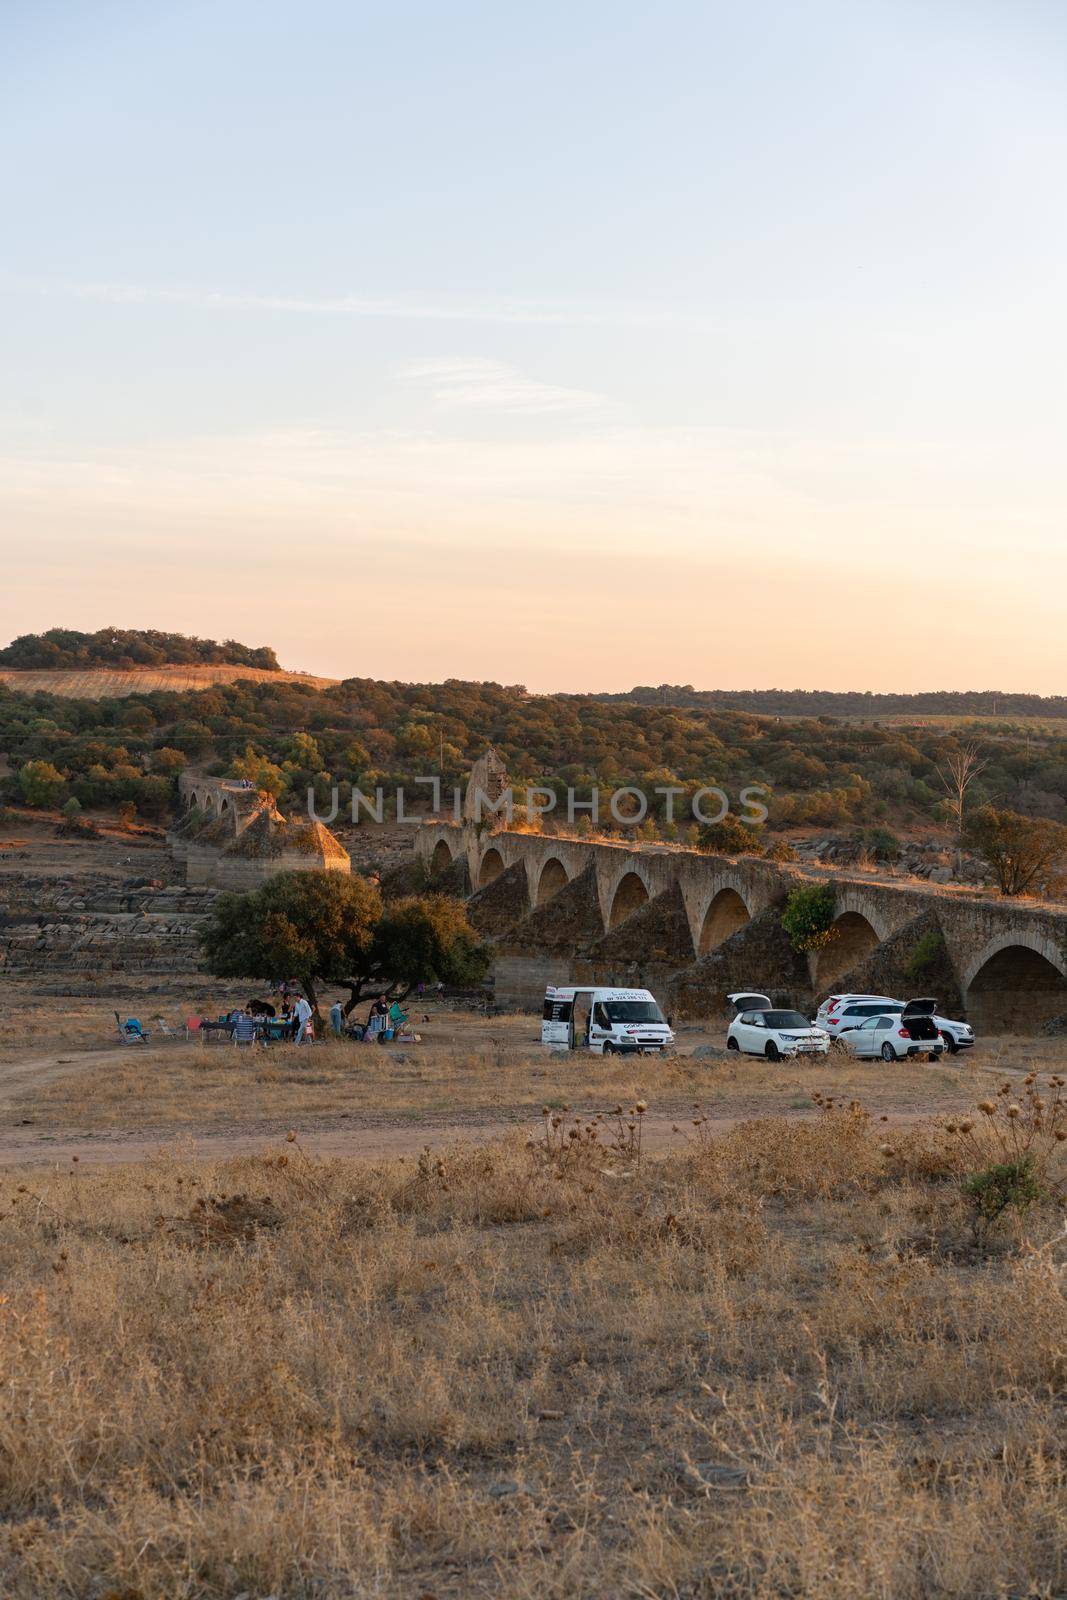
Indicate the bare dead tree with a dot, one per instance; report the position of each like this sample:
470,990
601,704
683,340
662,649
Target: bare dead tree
956,776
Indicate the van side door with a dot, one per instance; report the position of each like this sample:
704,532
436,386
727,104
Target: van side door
599,1026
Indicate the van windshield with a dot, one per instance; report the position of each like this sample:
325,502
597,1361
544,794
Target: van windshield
633,1011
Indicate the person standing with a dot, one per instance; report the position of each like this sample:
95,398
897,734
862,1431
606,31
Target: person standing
301,1016
337,1015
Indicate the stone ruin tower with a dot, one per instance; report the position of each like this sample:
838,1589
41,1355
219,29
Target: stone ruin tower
488,778
232,836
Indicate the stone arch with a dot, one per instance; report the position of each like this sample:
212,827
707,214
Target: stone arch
724,916
552,878
853,940
492,865
631,893
1016,983
859,905
442,857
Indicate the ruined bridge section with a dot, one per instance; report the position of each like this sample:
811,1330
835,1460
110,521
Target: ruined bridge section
663,912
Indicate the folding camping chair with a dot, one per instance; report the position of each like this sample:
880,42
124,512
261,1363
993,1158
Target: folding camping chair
130,1031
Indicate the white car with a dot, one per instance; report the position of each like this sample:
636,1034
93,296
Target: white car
896,1035
842,1012
957,1035
775,1034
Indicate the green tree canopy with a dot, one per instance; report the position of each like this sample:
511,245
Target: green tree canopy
326,928
40,783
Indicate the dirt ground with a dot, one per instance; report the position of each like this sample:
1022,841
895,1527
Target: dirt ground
68,1089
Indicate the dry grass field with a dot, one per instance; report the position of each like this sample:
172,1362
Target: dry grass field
105,683
468,1071
737,1343
779,1363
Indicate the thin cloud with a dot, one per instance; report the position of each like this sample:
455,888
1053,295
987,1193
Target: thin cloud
513,312
483,385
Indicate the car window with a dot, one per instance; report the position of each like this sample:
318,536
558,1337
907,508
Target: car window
747,1017
864,1027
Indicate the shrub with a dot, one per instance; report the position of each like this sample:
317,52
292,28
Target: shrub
1008,1184
1024,853
808,917
882,843
927,955
730,837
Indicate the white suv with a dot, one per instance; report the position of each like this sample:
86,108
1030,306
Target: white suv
775,1034
957,1035
842,1012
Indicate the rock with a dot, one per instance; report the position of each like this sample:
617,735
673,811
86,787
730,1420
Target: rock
710,1052
506,1486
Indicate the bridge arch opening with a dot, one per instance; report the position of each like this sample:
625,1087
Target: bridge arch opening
725,915
852,942
553,878
630,895
441,859
492,866
1016,990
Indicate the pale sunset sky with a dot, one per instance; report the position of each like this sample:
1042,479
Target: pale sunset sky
575,344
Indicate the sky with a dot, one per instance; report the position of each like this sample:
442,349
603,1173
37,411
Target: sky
575,344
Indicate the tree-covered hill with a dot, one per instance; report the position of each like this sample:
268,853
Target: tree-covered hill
850,703
66,648
288,735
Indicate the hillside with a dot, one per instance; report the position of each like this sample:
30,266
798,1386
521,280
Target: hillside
112,683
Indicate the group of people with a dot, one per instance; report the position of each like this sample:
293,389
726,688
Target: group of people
294,1021
294,1018
383,1017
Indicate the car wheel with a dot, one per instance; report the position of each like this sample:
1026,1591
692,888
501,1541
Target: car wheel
732,1044
772,1051
950,1044
608,1050
888,1053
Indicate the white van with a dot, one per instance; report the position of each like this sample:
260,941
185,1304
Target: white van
607,1021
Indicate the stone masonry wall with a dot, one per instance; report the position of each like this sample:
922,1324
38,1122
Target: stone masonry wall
55,931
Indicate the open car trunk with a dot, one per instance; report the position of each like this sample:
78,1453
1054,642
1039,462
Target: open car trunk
918,1018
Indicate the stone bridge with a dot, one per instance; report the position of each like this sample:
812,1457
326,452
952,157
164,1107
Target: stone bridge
701,924
215,797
